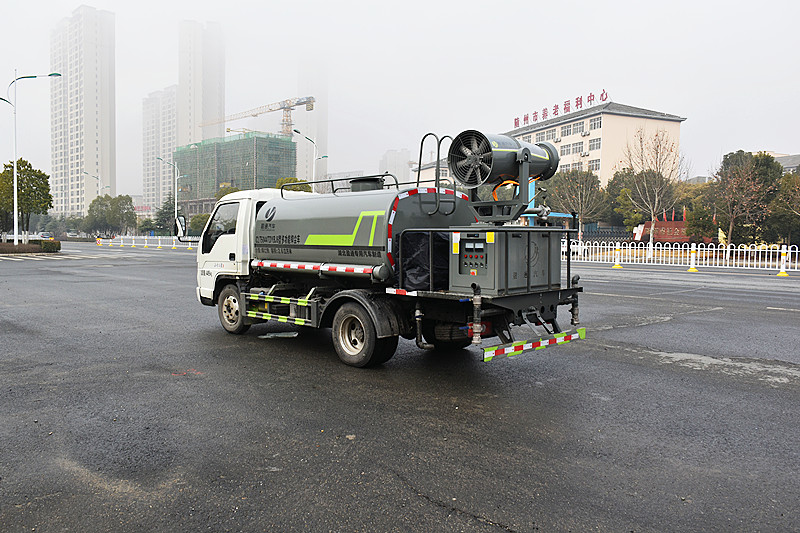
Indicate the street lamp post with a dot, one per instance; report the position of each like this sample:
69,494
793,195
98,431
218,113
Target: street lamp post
98,182
314,166
177,173
14,106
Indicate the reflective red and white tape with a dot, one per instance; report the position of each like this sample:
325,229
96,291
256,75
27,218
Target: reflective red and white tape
400,292
319,267
510,350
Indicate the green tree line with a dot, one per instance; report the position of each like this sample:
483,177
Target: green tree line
748,198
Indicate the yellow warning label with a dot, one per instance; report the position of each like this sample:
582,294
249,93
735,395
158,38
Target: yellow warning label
490,237
456,240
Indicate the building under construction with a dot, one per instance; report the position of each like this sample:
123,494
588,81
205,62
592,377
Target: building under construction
251,160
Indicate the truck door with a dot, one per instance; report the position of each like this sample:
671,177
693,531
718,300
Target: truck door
218,248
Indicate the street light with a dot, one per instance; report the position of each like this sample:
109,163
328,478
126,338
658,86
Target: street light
14,106
98,182
314,167
177,172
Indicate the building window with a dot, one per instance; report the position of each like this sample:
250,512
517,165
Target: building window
577,147
540,137
594,144
566,130
526,138
594,165
595,123
577,166
550,135
577,127
566,149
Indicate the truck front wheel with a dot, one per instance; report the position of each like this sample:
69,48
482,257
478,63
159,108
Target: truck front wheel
355,339
231,310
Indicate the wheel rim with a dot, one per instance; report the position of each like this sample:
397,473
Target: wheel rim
230,309
351,335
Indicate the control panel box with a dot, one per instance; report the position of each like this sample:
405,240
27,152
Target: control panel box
506,260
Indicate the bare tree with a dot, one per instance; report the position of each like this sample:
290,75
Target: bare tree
576,192
657,166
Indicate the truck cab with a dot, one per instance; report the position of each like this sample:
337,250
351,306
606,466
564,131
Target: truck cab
224,250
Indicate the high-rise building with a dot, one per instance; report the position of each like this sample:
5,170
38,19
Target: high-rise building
82,111
201,82
173,117
396,162
159,130
312,81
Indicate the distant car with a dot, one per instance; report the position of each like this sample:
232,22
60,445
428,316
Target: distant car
45,236
72,234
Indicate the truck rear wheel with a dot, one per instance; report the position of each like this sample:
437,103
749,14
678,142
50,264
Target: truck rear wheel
355,339
230,308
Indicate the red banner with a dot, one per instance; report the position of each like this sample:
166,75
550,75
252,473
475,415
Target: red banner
666,231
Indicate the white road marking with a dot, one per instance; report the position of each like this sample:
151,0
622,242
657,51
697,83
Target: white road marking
773,372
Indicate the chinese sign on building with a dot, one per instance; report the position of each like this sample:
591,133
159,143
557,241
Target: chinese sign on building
567,106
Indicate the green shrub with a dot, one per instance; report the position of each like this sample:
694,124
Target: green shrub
50,246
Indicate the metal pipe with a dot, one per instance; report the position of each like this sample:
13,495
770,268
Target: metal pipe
477,328
421,344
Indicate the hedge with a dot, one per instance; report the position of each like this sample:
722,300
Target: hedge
50,246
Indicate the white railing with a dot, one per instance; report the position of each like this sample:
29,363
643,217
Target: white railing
754,256
171,243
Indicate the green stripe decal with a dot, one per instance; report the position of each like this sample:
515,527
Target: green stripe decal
346,240
545,157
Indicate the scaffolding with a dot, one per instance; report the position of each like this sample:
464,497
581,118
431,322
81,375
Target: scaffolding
252,160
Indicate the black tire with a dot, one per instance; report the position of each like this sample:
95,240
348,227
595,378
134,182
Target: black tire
230,309
445,336
355,339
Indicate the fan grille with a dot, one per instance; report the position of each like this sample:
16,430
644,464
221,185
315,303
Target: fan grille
470,159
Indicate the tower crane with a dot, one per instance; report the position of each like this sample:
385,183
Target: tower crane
284,105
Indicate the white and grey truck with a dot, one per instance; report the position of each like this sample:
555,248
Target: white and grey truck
375,260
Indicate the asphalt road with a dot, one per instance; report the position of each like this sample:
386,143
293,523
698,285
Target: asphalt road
126,407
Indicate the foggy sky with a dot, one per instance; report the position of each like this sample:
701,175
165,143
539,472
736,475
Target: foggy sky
398,70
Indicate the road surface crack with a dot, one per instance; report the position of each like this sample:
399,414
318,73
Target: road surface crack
448,506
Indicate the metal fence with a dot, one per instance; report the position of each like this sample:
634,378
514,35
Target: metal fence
766,257
753,256
148,242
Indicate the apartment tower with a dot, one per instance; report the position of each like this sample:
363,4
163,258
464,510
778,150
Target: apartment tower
159,131
173,117
82,111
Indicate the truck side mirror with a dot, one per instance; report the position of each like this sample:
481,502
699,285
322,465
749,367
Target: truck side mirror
180,226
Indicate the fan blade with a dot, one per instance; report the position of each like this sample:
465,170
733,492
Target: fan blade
469,173
486,167
462,163
466,151
475,145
